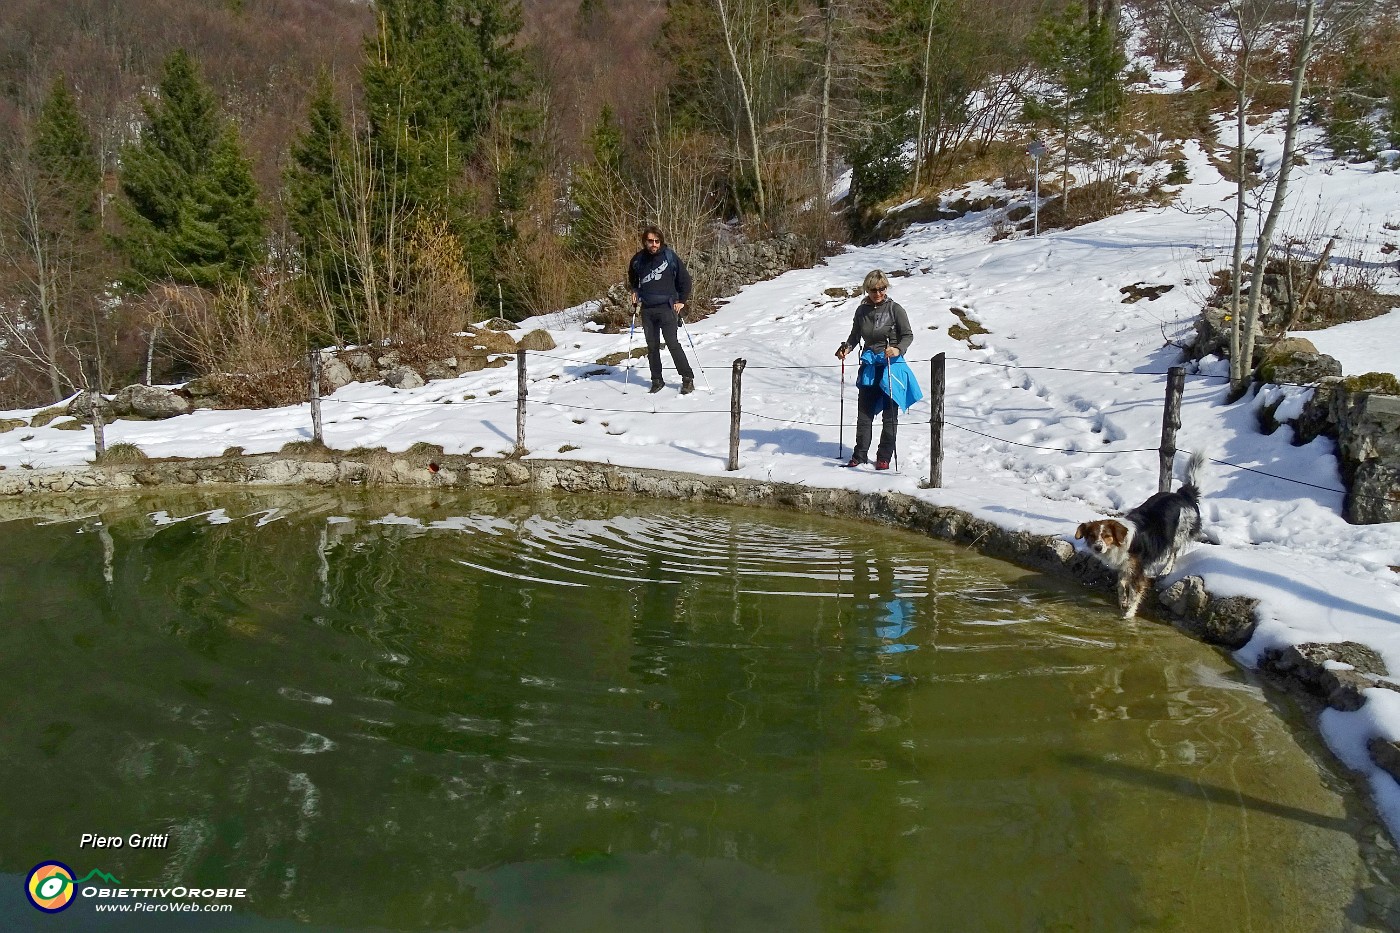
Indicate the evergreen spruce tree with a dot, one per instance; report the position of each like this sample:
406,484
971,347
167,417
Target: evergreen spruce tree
1083,61
438,64
226,205
435,72
315,198
598,189
438,75
67,159
189,205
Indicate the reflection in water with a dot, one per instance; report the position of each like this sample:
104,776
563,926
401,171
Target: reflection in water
440,713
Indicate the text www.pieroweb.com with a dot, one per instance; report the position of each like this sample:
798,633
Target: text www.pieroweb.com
143,907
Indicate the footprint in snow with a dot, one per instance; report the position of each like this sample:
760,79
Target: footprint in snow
1111,431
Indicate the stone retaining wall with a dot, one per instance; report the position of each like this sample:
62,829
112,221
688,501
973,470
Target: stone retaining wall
719,272
1323,674
1366,428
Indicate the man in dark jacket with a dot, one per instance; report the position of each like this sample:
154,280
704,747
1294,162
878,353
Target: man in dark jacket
660,288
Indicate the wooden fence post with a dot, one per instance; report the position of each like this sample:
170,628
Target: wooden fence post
735,410
1171,420
937,379
314,365
521,391
96,403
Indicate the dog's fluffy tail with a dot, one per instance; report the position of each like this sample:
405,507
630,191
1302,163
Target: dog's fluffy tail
1193,472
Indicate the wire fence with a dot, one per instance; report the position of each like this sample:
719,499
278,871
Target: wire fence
601,368
1075,450
818,367
521,400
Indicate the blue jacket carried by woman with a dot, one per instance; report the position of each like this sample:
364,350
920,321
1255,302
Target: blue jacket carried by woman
893,377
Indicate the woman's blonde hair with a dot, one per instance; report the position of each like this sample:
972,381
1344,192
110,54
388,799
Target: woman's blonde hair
875,280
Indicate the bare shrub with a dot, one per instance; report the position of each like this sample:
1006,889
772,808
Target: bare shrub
440,297
675,190
612,205
1172,116
671,188
250,339
539,270
795,206
972,162
1091,201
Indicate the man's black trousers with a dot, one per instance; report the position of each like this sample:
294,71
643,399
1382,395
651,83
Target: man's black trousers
658,322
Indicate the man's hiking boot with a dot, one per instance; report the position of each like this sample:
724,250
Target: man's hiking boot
656,386
687,386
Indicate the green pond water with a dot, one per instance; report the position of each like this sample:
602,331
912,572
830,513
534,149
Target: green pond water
428,711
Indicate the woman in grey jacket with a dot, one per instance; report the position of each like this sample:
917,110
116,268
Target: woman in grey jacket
883,326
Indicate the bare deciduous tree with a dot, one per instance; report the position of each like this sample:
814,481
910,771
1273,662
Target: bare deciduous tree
50,260
741,24
1229,44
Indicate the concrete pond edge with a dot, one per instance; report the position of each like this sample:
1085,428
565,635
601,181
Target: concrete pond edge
1333,674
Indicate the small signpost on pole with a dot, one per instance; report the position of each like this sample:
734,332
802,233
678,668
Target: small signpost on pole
1035,150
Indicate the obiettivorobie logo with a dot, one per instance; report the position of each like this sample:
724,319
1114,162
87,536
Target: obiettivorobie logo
51,886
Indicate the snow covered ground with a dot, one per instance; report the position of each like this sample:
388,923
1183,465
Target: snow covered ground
1053,418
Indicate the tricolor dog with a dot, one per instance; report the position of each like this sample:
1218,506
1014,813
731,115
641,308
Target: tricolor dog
1147,542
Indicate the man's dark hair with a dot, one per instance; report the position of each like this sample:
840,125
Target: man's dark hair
653,230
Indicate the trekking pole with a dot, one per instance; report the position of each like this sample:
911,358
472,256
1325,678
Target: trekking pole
841,438
708,387
889,395
631,336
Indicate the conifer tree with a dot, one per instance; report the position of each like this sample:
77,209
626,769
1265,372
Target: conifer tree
189,205
440,76
315,197
599,191
435,71
67,159
1083,61
443,63
226,202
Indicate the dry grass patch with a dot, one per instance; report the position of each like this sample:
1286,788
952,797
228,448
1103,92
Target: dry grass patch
307,450
123,453
967,164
